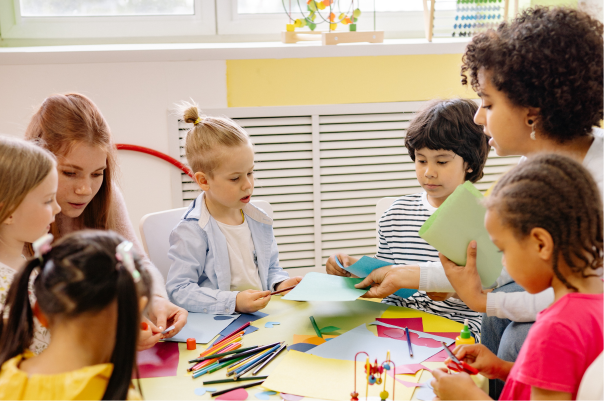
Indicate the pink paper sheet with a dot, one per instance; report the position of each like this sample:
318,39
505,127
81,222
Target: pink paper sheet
412,323
235,395
161,360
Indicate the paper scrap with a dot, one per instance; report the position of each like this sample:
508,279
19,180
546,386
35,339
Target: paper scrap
264,395
240,321
410,368
291,397
324,287
459,220
360,338
364,266
329,329
309,339
202,390
431,323
202,327
302,347
161,360
269,325
235,395
425,392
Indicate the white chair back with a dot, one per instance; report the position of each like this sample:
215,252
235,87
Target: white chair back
382,205
591,387
155,231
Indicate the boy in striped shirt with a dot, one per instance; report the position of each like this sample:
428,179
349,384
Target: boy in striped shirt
448,148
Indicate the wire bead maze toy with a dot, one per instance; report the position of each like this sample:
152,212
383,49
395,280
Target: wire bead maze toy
373,375
312,15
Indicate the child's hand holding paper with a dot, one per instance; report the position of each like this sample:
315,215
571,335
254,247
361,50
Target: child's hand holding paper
333,265
387,280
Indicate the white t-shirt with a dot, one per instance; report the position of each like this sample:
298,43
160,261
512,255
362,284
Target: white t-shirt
244,272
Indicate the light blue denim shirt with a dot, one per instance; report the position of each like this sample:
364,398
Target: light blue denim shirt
199,279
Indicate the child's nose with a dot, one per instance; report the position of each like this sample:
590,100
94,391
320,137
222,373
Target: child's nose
479,116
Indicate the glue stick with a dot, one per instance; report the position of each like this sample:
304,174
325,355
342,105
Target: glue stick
464,337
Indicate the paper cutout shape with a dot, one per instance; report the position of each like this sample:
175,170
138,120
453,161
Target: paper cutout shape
432,323
410,369
222,317
417,337
269,325
235,395
310,339
161,360
202,390
405,383
240,321
329,329
202,327
364,266
425,392
264,395
291,397
459,220
324,287
442,355
348,344
302,347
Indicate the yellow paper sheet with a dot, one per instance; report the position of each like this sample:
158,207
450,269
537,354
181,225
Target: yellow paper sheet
432,323
330,379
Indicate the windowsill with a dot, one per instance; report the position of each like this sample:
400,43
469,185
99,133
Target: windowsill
221,51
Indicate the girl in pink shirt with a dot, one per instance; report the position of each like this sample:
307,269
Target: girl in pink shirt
546,217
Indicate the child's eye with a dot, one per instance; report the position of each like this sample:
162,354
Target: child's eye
250,173
487,107
443,163
234,179
421,161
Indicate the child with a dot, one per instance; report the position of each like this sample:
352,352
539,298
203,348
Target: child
28,187
546,217
448,149
90,291
224,253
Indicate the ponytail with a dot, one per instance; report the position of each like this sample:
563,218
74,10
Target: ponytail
19,331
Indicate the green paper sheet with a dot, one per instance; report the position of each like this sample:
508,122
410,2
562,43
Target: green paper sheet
324,287
459,220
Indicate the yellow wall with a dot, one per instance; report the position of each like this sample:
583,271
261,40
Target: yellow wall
286,82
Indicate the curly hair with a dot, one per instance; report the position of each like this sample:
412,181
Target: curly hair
546,58
449,125
559,195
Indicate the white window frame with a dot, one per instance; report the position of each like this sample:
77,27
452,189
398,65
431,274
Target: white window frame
14,26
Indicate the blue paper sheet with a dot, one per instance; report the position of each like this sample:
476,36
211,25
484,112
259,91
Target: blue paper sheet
240,321
202,327
364,266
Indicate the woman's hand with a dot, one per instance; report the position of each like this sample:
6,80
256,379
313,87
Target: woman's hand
148,336
290,282
165,314
459,386
332,267
480,358
466,281
439,296
389,279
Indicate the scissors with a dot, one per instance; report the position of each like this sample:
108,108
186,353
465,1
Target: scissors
456,364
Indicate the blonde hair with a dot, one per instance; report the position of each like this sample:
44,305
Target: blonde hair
208,134
23,166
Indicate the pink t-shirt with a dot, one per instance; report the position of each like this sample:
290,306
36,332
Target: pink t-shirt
565,339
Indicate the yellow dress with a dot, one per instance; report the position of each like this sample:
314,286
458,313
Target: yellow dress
88,383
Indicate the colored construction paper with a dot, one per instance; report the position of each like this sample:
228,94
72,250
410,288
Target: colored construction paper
364,266
329,329
327,379
417,337
269,325
240,321
302,347
291,397
410,369
425,392
432,323
161,360
222,317
309,339
202,390
459,220
360,338
235,395
404,382
442,355
202,327
324,287
264,395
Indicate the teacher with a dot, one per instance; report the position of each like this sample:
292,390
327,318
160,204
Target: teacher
75,131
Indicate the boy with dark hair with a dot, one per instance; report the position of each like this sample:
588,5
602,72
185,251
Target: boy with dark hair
448,148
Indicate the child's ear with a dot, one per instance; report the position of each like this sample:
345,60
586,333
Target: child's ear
532,115
543,243
40,315
202,180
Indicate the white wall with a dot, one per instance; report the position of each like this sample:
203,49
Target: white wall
134,98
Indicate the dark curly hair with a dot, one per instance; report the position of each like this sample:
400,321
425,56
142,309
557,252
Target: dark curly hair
546,58
557,194
449,125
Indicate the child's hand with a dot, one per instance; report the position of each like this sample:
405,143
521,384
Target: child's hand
389,279
479,357
290,282
332,267
148,336
250,301
458,386
466,281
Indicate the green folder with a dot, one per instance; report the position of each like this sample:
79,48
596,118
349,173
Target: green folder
459,220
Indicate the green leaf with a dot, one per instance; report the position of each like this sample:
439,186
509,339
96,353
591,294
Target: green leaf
329,329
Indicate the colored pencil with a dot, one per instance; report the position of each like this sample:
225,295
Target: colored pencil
241,379
234,369
259,368
243,327
210,369
216,348
409,341
213,358
226,390
314,325
252,365
283,290
220,355
241,369
250,352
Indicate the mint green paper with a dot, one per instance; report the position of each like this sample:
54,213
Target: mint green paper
324,287
459,220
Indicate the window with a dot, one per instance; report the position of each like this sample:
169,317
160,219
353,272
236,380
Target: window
98,8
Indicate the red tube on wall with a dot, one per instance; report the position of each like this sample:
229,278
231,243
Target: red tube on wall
163,156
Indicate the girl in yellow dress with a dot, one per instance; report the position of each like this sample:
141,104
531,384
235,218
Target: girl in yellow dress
90,292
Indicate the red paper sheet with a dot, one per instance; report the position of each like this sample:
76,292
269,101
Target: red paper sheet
161,360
